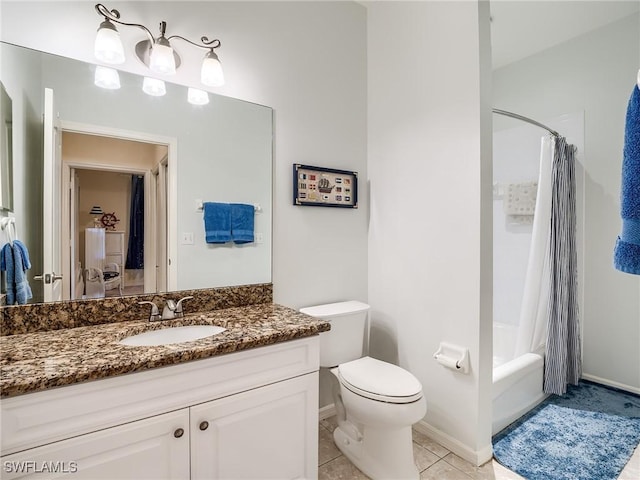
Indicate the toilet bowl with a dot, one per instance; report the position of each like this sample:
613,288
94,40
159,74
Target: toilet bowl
376,402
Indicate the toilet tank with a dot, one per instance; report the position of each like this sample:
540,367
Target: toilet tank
345,341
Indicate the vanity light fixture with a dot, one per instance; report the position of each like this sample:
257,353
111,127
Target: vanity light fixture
156,53
106,77
108,46
197,97
153,87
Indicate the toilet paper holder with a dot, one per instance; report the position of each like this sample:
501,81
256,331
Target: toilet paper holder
453,357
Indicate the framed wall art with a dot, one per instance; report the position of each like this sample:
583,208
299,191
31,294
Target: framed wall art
324,187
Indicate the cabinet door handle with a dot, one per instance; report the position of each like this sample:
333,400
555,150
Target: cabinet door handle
178,433
204,425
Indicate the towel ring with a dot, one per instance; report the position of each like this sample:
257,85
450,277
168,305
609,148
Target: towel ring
6,224
6,221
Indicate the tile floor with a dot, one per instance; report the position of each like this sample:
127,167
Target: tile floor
433,460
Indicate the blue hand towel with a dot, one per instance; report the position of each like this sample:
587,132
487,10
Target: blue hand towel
626,256
242,222
217,222
26,263
14,259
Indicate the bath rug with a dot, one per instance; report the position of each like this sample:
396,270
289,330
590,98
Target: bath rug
587,434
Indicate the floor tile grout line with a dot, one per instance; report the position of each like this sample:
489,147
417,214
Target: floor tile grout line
431,451
452,466
329,461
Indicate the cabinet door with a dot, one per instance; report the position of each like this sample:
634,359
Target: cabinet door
145,449
114,243
94,252
266,433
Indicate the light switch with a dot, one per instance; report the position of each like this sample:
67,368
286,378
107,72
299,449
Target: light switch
187,238
259,238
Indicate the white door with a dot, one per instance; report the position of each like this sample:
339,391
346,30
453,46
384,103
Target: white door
52,202
74,238
155,448
266,433
161,227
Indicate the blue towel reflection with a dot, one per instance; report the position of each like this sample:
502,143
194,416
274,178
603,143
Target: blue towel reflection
217,222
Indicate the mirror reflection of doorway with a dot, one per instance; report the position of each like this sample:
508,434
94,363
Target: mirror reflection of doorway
116,221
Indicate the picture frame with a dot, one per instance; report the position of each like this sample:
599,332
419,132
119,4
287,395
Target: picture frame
324,187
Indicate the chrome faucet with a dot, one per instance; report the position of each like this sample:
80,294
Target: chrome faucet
155,313
179,311
173,309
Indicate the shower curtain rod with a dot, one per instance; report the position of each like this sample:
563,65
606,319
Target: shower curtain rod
525,119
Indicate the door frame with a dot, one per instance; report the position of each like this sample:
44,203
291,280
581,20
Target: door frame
159,177
52,282
149,236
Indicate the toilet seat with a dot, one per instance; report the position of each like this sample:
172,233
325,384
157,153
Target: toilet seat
381,381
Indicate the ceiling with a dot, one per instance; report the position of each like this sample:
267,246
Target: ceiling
521,28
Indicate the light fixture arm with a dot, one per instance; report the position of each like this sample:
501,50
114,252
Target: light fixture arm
206,43
114,16
156,53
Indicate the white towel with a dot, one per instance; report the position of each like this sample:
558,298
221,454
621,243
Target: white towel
520,199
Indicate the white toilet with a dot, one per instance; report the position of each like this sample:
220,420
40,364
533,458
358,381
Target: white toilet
376,402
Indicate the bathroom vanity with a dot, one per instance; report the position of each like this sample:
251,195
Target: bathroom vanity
240,404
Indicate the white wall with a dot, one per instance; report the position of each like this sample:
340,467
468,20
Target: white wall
516,159
430,227
306,60
429,267
23,86
594,73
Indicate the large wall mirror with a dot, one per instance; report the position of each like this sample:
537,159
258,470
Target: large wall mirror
114,144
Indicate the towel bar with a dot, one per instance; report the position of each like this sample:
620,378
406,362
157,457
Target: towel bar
199,206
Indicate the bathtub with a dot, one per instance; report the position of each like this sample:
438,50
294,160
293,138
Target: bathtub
517,382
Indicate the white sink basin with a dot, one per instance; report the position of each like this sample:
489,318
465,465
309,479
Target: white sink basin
169,335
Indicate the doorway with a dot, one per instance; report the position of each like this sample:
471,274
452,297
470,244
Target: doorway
114,219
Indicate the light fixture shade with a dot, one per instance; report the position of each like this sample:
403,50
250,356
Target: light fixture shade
108,47
211,73
153,87
106,77
161,59
96,210
197,97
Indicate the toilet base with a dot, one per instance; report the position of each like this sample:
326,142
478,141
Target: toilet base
381,454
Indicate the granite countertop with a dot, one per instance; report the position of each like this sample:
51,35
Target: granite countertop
32,362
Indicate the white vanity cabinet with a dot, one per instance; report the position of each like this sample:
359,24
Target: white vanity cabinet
249,414
257,434
153,448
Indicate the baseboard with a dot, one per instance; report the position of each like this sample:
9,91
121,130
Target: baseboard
476,457
326,412
610,383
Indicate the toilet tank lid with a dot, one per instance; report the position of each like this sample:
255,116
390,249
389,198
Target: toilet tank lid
334,309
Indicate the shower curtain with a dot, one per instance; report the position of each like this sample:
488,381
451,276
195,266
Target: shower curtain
135,252
532,328
549,314
563,363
